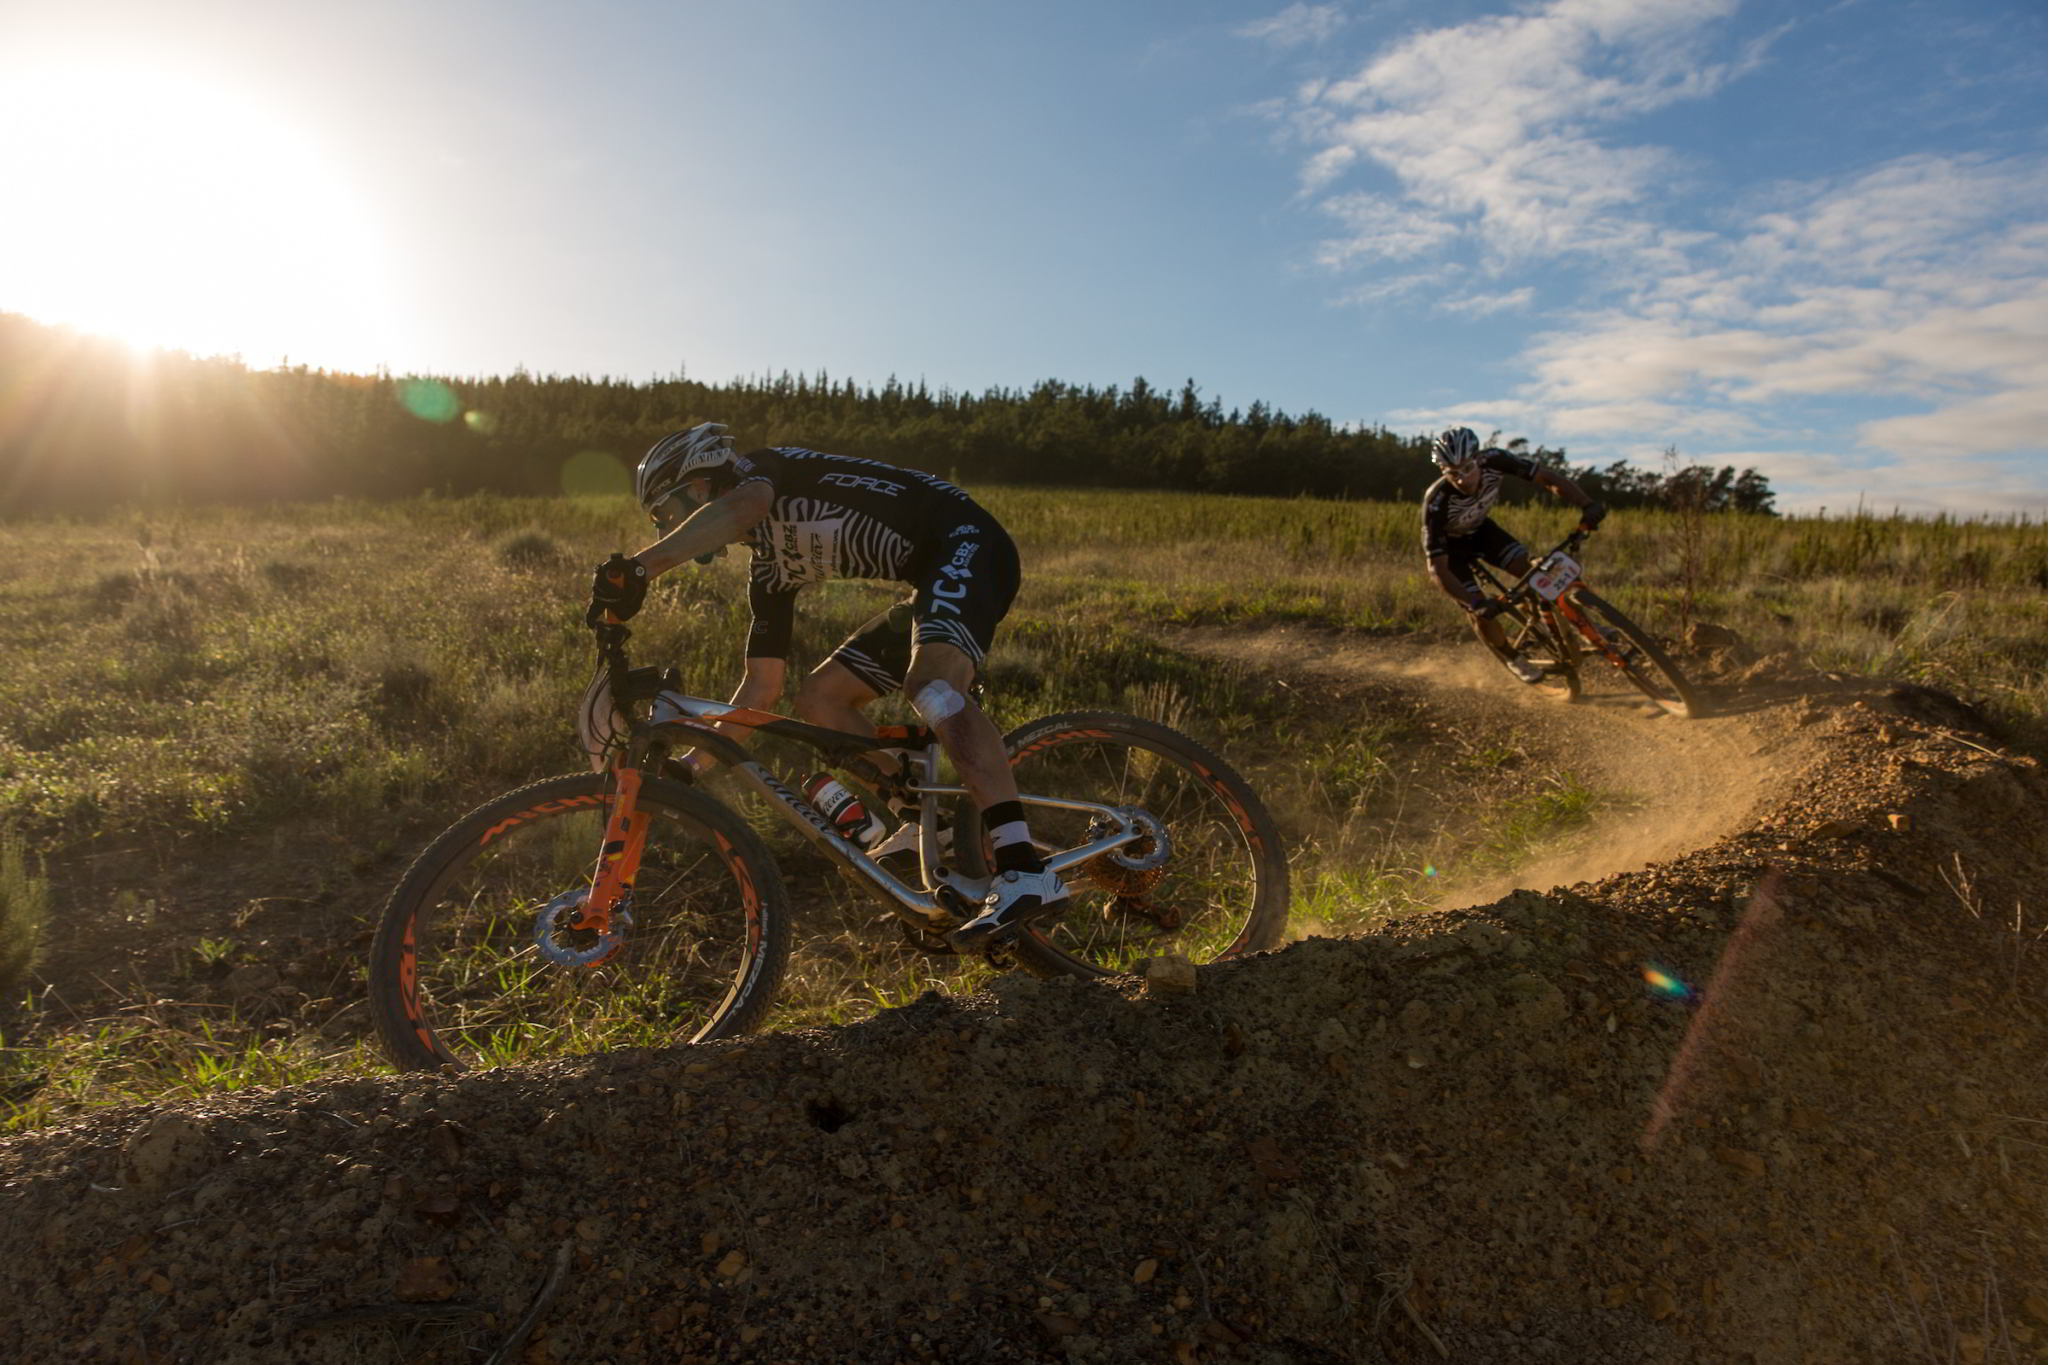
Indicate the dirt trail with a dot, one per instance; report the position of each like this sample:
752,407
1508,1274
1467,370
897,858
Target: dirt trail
1777,1097
1671,785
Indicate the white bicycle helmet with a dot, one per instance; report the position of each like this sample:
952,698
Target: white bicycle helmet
1453,446
679,456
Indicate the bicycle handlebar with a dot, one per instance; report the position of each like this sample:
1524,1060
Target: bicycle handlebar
1568,545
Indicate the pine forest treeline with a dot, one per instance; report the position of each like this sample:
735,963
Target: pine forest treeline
85,422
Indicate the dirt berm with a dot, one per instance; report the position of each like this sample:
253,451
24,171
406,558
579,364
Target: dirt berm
1784,1098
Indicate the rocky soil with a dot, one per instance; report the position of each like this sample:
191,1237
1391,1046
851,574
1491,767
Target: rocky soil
1783,1097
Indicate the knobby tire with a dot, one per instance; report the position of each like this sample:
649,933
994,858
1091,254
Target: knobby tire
457,973
1221,891
1647,666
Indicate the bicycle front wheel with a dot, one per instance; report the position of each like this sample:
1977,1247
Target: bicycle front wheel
477,961
1209,883
1641,659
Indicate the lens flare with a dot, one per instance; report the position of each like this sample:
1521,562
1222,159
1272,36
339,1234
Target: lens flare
430,400
596,472
1665,984
1429,869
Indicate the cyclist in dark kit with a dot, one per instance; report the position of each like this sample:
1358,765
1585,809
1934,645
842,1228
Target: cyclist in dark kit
808,516
1457,528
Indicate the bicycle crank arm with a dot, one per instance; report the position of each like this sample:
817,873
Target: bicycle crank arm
1133,826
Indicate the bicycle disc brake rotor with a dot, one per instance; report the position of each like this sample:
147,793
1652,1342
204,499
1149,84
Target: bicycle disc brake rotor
1136,867
560,941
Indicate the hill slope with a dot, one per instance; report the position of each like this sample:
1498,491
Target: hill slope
1481,1135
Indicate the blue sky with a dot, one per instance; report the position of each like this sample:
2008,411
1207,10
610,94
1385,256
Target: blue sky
1808,237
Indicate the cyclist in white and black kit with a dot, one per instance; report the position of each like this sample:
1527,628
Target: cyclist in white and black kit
808,516
1457,528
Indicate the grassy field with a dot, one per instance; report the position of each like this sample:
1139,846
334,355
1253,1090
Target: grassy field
215,712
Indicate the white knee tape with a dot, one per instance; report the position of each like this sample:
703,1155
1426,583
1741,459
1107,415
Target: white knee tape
937,702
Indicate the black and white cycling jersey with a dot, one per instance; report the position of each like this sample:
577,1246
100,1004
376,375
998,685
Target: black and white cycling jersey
838,516
1449,515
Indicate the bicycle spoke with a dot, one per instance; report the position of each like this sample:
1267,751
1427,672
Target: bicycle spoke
1210,881
480,954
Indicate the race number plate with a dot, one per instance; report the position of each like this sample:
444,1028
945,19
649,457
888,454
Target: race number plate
1554,575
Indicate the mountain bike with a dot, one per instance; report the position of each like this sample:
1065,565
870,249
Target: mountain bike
1555,621
632,907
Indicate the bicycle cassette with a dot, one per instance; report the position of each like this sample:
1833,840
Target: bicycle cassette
560,940
1136,867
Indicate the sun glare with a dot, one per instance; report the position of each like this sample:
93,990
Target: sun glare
167,213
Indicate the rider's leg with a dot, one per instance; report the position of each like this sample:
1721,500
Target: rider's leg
938,685
867,664
1490,634
972,581
1453,573
833,696
1506,553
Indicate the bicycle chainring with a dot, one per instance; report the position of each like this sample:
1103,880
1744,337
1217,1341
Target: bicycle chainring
561,942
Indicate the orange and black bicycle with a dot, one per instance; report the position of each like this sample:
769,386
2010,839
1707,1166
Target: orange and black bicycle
631,907
1556,622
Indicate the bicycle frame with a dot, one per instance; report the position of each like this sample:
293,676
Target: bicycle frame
1524,592
946,896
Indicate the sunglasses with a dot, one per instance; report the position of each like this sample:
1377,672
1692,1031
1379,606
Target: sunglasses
673,510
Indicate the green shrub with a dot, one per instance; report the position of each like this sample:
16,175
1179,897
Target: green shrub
532,550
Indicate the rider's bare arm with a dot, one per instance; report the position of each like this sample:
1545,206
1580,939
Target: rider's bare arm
760,688
713,526
761,685
1562,486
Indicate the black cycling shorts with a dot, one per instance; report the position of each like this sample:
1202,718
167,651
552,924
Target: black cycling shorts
964,589
1487,541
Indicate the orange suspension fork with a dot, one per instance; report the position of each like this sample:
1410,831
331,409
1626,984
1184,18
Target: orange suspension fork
618,862
1576,619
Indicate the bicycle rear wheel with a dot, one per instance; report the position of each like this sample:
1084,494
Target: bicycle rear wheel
1641,659
476,962
1211,883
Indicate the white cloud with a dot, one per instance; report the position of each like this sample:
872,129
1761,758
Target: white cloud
2013,420
1490,126
1508,415
1486,305
1381,228
1922,279
1807,313
1295,25
1811,479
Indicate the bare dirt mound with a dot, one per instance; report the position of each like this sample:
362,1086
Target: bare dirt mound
1780,1098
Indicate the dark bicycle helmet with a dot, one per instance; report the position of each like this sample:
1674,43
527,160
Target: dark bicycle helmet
1453,446
679,456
